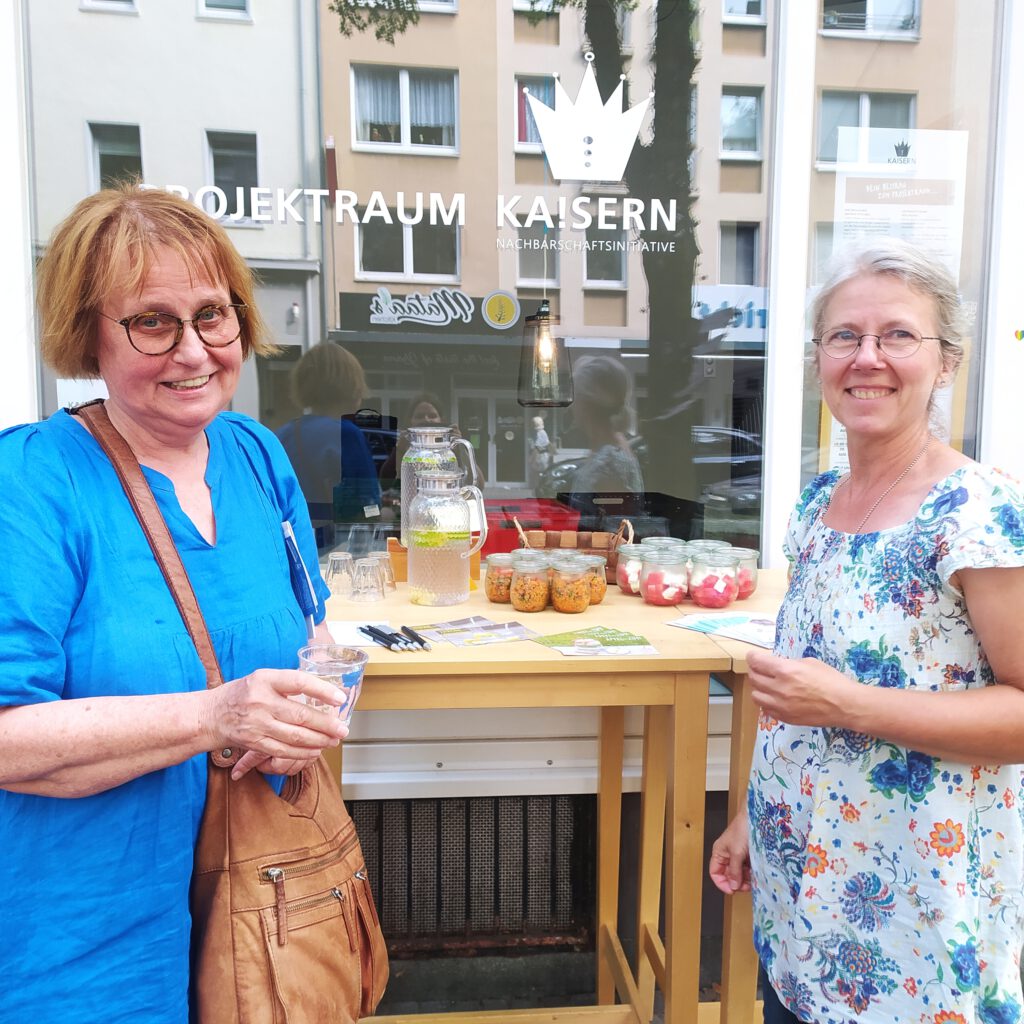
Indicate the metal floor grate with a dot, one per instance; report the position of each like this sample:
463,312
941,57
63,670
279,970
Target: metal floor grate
481,872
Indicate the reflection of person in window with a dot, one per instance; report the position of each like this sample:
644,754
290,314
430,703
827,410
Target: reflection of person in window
601,411
330,455
540,452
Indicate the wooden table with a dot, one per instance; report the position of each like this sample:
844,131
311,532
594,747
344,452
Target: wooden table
739,961
672,687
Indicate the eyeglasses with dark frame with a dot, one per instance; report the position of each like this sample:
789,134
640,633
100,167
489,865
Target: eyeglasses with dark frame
153,333
897,342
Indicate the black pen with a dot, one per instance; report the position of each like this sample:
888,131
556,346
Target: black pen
398,642
414,636
378,638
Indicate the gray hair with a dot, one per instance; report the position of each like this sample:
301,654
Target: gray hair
917,269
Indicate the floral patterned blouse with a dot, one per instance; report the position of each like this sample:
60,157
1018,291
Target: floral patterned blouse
889,884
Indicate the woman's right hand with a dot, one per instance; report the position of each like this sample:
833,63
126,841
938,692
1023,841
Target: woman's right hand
730,857
257,712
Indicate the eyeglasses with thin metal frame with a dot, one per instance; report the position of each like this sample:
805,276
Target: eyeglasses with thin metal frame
217,326
897,342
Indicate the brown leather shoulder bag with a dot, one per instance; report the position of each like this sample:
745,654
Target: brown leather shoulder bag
284,928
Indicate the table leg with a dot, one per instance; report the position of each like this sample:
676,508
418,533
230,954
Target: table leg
652,846
610,742
739,961
684,845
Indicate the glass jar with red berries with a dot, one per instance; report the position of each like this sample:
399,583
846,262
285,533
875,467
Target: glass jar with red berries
627,568
714,578
746,571
663,575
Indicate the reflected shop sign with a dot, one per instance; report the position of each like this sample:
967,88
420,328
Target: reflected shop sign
439,310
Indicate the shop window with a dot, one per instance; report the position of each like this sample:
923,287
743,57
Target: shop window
116,153
861,110
738,253
741,123
219,8
605,259
411,109
406,252
538,256
233,163
871,17
743,11
543,89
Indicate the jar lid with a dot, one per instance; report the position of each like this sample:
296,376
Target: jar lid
630,549
746,553
601,560
709,544
665,555
530,563
655,542
708,559
499,558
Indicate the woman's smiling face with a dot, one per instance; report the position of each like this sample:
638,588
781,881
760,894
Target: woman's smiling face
171,397
873,394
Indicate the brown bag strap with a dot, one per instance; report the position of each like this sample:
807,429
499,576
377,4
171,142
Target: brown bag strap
144,504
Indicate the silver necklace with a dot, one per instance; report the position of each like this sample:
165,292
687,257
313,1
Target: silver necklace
885,494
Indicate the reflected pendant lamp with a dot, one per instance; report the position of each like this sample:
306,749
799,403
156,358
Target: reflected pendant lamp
545,376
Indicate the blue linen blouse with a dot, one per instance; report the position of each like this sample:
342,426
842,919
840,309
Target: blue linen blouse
95,919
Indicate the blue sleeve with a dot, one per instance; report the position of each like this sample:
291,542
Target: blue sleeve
271,464
43,568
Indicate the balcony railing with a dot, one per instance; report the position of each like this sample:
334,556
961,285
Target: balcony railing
859,21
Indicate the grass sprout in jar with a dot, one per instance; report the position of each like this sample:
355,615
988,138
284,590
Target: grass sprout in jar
498,580
663,575
714,579
530,586
570,586
596,565
746,571
627,568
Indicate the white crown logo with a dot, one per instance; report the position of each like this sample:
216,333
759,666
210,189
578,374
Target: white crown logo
588,140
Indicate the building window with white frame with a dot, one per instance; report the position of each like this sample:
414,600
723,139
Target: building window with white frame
604,264
109,6
743,11
234,166
541,6
540,88
741,122
437,6
404,108
538,257
840,109
871,17
116,154
225,8
738,253
389,250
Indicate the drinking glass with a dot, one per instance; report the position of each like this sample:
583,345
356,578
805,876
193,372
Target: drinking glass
338,575
343,667
367,581
383,559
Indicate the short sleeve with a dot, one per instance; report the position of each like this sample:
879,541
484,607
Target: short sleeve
271,464
980,523
42,567
810,506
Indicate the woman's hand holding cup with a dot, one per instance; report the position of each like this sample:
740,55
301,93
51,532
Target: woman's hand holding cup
279,734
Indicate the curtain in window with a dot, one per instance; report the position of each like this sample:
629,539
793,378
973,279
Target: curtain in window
740,127
838,110
893,15
432,107
378,117
542,89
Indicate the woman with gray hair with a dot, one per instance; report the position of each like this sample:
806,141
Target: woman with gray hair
883,837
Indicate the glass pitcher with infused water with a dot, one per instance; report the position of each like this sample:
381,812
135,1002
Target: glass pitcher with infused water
430,448
439,537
